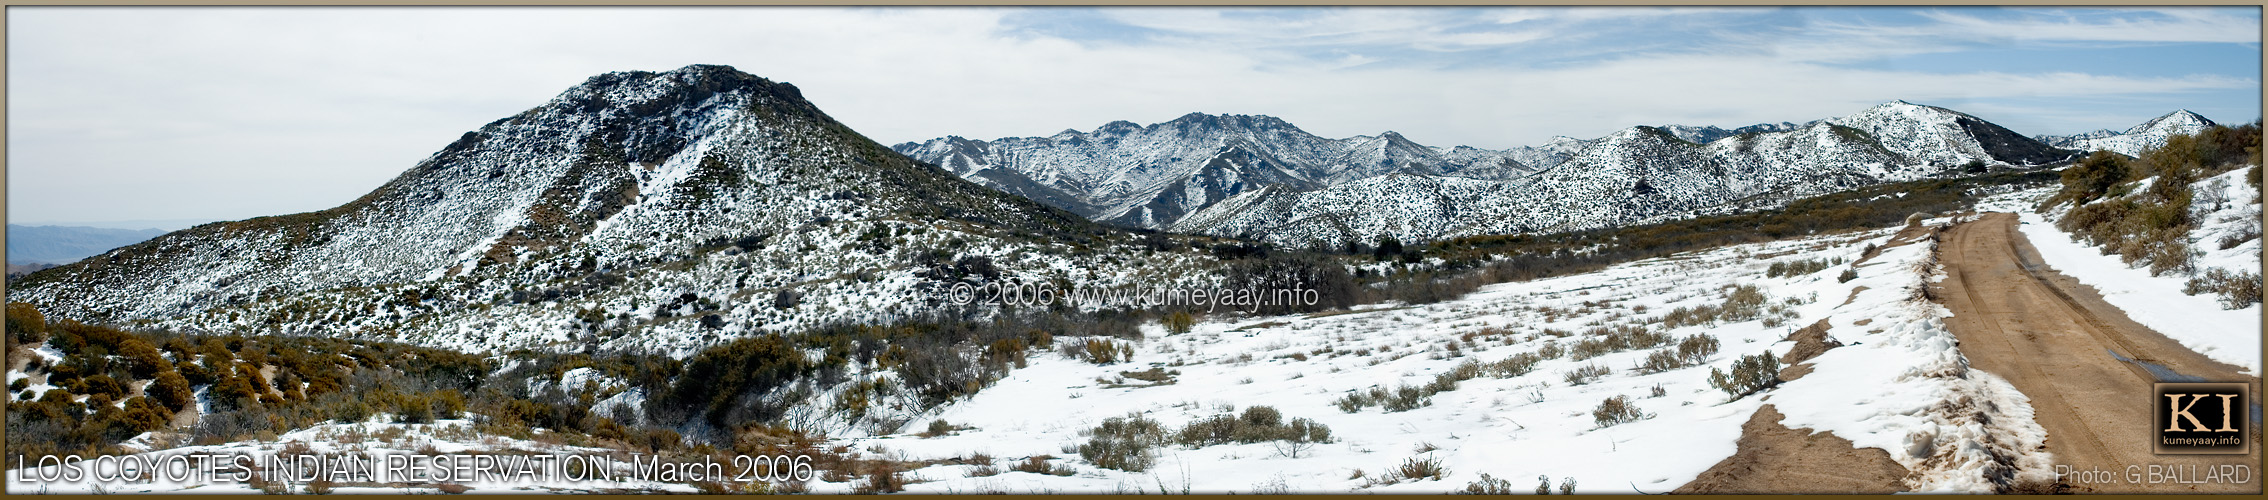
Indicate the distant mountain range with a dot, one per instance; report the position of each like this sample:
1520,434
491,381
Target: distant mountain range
2131,142
1257,176
1151,176
64,244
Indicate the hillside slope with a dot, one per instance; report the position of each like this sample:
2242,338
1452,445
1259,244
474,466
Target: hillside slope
625,204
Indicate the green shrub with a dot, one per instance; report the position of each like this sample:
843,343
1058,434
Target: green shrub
1749,374
1847,276
1123,443
2092,178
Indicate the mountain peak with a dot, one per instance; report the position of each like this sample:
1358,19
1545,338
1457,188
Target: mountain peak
2179,118
652,95
1248,122
712,77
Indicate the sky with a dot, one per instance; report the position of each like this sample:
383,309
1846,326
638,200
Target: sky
216,113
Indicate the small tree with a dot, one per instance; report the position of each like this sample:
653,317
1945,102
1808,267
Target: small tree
1387,247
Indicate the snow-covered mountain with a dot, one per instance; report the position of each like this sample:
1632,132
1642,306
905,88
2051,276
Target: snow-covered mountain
1636,175
677,204
2148,134
1151,176
1709,133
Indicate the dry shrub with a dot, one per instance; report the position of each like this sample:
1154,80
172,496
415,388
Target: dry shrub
1420,468
1616,410
1037,464
2237,290
1488,485
1123,443
1586,374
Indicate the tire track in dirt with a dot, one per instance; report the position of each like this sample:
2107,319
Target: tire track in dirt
2054,339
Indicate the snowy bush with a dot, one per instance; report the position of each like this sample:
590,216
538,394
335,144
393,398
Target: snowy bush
1416,468
1603,340
2237,290
1697,348
1406,398
1660,361
1616,410
1586,374
1514,366
1123,443
1790,269
1488,485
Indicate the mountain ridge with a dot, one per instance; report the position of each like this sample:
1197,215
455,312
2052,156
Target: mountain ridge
1643,173
2132,141
1151,175
633,200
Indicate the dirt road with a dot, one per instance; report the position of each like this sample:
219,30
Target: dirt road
2053,338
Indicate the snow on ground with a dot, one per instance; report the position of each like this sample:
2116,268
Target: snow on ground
374,438
2197,321
1898,386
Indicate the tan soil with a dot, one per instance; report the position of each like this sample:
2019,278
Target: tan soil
1810,342
2051,337
1775,459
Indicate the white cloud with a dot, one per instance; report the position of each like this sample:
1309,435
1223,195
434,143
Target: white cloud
157,113
2177,25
